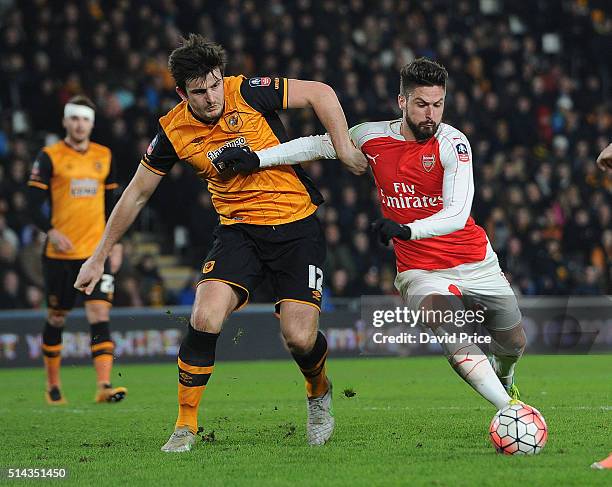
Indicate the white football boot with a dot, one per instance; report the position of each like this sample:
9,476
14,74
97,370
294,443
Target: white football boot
181,440
320,423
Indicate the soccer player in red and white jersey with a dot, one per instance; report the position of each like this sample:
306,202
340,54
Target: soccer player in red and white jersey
424,174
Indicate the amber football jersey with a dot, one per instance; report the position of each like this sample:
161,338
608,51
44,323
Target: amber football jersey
76,182
266,197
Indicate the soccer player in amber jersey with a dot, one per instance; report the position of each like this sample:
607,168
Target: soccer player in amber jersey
76,176
267,223
424,175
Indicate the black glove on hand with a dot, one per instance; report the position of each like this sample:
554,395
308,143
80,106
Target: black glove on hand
388,229
236,160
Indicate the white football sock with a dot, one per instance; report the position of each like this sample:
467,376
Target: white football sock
507,348
473,366
504,368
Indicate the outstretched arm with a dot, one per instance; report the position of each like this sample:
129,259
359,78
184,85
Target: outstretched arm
303,149
126,210
323,100
242,160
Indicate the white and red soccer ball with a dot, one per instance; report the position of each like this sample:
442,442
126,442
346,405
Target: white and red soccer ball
518,429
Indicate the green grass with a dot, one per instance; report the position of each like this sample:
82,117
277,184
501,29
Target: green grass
411,422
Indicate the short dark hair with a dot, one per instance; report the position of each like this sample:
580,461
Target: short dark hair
82,100
422,72
195,58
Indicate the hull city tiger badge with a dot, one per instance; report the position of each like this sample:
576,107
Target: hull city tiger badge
233,121
428,162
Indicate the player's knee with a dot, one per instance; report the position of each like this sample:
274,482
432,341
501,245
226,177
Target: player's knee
209,320
511,342
300,341
56,317
299,324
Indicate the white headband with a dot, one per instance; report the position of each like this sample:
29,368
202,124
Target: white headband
74,110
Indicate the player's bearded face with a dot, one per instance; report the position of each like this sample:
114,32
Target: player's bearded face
77,128
206,96
423,108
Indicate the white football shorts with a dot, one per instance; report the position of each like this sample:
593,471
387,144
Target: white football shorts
479,285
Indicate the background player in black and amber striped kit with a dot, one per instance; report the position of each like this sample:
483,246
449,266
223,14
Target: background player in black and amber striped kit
77,177
267,224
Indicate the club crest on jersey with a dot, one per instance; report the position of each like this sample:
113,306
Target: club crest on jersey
233,121
428,161
257,82
208,266
462,152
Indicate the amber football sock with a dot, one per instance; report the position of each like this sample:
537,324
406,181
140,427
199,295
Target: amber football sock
196,361
52,353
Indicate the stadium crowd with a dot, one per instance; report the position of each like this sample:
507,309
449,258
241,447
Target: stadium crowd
533,100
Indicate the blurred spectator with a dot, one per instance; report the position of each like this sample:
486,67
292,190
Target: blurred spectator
11,292
338,254
186,295
202,219
34,297
150,282
30,262
127,291
340,284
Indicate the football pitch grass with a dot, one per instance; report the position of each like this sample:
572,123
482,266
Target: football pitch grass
411,421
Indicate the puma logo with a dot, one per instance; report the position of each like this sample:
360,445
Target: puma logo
372,158
466,359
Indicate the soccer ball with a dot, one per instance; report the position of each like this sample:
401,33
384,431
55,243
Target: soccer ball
518,429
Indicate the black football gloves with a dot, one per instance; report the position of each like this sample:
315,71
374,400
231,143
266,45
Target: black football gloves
388,229
236,160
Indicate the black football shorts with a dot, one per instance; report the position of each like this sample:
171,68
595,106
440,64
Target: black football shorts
291,255
59,277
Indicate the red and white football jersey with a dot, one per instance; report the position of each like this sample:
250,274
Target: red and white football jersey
428,185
